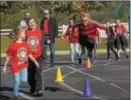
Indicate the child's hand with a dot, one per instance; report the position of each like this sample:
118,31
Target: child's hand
62,37
4,69
37,64
48,41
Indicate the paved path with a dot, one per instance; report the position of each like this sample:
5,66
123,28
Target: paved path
109,80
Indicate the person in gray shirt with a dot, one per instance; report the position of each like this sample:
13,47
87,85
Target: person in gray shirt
23,23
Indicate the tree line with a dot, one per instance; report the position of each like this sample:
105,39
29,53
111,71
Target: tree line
12,11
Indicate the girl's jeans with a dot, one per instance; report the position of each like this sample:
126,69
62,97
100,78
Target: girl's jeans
18,78
74,51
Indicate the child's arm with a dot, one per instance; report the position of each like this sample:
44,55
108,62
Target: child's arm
66,34
5,63
99,36
33,59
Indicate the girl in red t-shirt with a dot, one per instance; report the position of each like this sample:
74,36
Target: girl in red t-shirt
88,30
19,52
34,39
121,38
72,33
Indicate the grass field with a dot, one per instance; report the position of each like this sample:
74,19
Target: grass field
60,44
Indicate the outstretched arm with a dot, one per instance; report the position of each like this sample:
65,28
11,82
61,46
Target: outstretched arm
99,25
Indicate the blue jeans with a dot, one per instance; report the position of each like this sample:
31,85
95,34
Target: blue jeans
52,50
18,78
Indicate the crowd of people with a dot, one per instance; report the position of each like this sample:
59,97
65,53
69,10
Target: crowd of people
28,53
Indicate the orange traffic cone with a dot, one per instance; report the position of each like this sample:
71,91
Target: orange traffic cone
59,77
88,63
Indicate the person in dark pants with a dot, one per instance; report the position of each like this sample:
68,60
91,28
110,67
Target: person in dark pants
121,36
110,41
88,34
34,39
98,41
50,30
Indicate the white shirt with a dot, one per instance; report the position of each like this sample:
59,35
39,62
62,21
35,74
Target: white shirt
23,23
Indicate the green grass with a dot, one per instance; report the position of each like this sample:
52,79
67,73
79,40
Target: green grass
60,44
5,41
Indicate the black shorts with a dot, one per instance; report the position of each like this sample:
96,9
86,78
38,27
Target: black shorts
120,42
87,42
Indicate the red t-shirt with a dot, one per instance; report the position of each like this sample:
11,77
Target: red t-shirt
34,40
120,29
19,55
45,26
91,28
72,37
110,32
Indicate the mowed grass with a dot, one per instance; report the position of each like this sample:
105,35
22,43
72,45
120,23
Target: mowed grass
5,41
60,44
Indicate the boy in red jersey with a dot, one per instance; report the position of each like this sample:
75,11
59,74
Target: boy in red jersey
121,35
19,52
110,41
72,33
34,39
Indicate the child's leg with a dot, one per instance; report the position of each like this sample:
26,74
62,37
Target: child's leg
72,52
23,75
39,77
83,51
108,50
16,83
31,76
76,46
123,45
113,49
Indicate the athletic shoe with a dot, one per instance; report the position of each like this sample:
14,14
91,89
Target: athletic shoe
127,56
15,97
117,59
32,91
108,58
52,65
72,64
80,61
39,93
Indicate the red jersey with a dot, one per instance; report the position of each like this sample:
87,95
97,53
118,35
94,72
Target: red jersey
45,26
120,29
73,34
34,39
110,32
19,55
91,28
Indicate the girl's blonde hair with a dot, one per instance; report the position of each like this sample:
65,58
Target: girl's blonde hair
18,30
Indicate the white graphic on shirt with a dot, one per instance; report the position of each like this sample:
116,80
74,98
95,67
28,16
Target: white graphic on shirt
33,42
22,55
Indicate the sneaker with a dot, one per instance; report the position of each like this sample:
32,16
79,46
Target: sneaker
15,97
117,59
108,58
127,56
72,64
80,61
32,91
52,65
39,93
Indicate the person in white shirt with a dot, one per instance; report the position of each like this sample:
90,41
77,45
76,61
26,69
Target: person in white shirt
23,23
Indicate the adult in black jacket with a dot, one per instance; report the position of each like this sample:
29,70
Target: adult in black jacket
50,33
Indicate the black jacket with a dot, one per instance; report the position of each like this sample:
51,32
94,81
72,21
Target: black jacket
53,28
